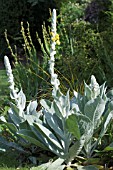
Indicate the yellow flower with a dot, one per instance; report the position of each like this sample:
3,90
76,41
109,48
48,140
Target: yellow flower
53,39
52,34
58,42
57,36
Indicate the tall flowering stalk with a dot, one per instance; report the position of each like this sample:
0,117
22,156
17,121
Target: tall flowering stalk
19,97
54,39
14,94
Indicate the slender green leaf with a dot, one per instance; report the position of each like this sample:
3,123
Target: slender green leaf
89,167
12,145
11,126
109,148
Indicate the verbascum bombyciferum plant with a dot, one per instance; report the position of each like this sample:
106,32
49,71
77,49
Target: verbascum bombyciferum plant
64,126
46,133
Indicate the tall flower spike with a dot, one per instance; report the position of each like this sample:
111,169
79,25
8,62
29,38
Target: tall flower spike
14,94
19,97
54,81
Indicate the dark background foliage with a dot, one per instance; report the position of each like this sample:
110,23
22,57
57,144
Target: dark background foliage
12,12
99,13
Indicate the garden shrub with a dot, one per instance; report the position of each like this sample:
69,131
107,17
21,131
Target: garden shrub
86,47
77,40
100,14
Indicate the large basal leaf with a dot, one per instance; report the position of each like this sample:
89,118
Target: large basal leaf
84,123
110,94
59,121
81,103
31,108
103,92
63,104
76,148
72,126
60,132
46,104
14,109
31,137
56,165
16,114
32,118
110,105
41,167
87,91
86,127
105,124
15,119
77,102
21,99
48,134
67,104
39,135
57,110
94,109
49,141
51,107
53,123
